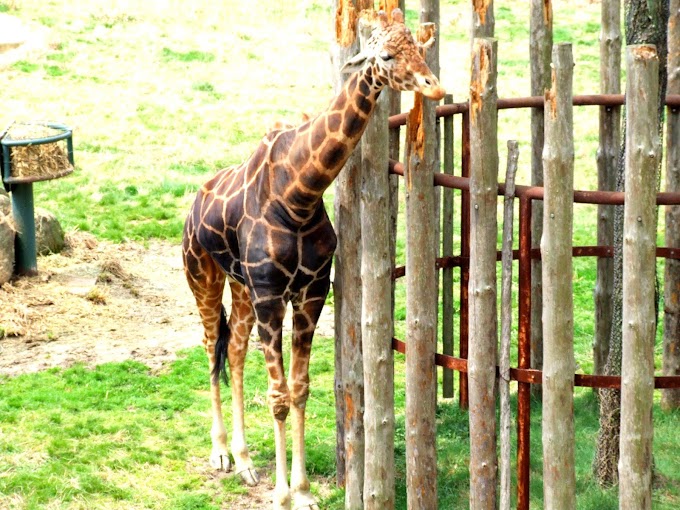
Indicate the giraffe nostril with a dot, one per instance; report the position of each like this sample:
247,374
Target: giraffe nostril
428,82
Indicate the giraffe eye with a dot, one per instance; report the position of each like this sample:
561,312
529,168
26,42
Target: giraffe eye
385,56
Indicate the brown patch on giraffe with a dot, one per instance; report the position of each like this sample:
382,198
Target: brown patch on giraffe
481,7
333,122
332,152
353,123
317,137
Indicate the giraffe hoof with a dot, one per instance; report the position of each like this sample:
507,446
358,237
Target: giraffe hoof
304,501
220,462
249,476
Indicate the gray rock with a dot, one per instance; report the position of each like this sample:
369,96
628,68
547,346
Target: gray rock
5,202
49,236
6,248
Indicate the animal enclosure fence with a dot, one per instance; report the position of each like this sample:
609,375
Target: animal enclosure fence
480,110
526,196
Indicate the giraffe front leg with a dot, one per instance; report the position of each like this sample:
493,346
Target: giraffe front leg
270,313
241,323
305,317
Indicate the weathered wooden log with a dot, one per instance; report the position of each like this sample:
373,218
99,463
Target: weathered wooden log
349,386
607,162
482,287
447,251
506,326
540,50
421,305
643,150
670,399
483,19
559,475
376,278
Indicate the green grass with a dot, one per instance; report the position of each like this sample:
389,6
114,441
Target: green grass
118,435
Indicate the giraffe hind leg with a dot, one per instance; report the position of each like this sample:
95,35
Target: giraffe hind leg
221,348
206,281
241,322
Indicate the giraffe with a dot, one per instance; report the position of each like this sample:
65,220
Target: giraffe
262,228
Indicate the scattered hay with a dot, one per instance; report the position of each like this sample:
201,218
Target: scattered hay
80,245
113,267
97,295
43,161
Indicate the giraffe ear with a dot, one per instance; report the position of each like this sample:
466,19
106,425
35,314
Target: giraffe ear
356,63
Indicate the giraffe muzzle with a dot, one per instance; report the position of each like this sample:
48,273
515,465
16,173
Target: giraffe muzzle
429,87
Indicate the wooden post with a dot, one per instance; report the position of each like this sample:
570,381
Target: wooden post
483,20
429,13
483,231
607,163
559,475
506,325
670,399
421,305
447,251
349,383
639,262
395,142
540,50
376,277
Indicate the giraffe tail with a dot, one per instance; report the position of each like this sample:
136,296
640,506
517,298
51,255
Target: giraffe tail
221,356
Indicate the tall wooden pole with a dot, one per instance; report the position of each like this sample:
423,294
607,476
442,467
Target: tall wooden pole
607,163
559,475
639,262
376,277
670,399
429,13
349,384
482,287
421,304
506,326
447,251
483,19
540,50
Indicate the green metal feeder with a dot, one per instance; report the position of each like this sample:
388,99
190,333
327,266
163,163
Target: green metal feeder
21,185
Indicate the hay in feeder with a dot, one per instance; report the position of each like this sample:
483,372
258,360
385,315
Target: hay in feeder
37,161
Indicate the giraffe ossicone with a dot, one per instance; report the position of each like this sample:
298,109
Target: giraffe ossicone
262,228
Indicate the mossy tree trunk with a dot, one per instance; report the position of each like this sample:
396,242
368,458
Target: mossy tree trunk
646,22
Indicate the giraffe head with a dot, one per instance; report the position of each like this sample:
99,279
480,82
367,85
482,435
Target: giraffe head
395,58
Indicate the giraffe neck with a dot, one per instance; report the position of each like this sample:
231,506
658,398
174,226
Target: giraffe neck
323,145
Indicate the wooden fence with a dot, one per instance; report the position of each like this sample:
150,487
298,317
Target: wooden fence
476,263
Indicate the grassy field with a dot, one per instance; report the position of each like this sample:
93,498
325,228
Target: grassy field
163,93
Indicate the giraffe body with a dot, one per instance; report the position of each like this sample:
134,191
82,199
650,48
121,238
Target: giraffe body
262,228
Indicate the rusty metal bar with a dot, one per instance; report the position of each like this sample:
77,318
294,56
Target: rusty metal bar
524,347
465,259
510,103
533,376
536,193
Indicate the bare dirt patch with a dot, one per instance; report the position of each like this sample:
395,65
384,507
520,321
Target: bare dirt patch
99,302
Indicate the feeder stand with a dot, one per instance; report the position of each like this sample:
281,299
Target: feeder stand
22,195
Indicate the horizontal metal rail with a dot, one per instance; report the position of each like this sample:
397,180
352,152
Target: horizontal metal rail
533,376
